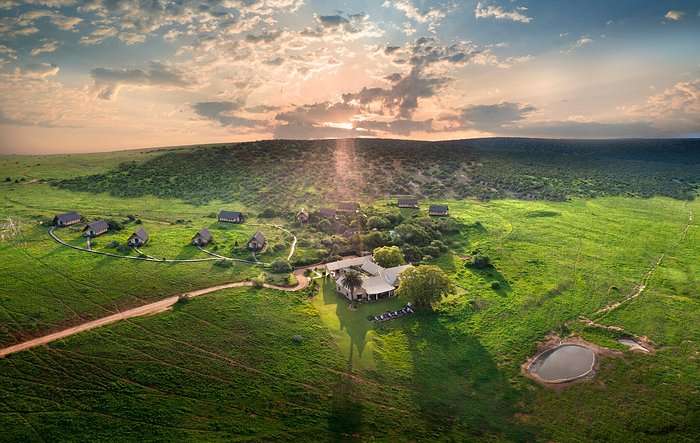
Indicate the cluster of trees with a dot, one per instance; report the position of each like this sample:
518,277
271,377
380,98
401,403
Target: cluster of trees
284,174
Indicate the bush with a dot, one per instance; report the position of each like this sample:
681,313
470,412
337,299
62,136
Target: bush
258,282
495,285
114,225
480,261
123,249
280,266
279,247
113,244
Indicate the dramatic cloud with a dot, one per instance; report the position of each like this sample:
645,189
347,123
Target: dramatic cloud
484,10
674,15
107,82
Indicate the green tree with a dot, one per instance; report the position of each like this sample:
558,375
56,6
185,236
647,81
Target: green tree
376,222
388,256
280,266
352,281
424,285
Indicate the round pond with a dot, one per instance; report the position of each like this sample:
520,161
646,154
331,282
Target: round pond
563,363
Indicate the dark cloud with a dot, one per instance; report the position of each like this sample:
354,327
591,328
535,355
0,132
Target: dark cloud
222,113
490,117
403,95
108,81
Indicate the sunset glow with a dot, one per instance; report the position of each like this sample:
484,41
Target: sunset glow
99,74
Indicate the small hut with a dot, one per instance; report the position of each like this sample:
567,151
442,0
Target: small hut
410,203
257,242
438,210
67,219
302,216
231,217
138,238
202,238
95,228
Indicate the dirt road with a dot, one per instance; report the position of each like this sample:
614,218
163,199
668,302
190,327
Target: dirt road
149,309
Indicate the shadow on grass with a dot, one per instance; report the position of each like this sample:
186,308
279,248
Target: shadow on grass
491,275
189,252
345,417
457,386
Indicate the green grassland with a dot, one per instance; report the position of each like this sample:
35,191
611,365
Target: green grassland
225,366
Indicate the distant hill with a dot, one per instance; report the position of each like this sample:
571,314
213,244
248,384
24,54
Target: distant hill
287,173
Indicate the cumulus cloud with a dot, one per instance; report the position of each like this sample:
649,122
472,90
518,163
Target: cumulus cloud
432,15
674,15
677,108
343,26
108,81
484,10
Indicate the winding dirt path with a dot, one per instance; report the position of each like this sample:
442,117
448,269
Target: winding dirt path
644,282
148,309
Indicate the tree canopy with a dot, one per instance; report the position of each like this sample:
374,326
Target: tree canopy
388,256
424,285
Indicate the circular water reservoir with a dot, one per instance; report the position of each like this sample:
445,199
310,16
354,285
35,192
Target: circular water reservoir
563,363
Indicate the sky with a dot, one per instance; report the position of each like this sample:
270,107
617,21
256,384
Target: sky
101,75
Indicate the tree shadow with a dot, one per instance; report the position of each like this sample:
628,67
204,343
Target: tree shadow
345,418
355,323
458,388
491,274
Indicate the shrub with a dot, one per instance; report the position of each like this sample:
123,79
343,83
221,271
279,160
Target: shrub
480,261
280,266
113,244
258,282
279,247
114,225
495,285
223,264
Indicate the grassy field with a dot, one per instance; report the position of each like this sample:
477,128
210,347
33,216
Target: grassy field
225,366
